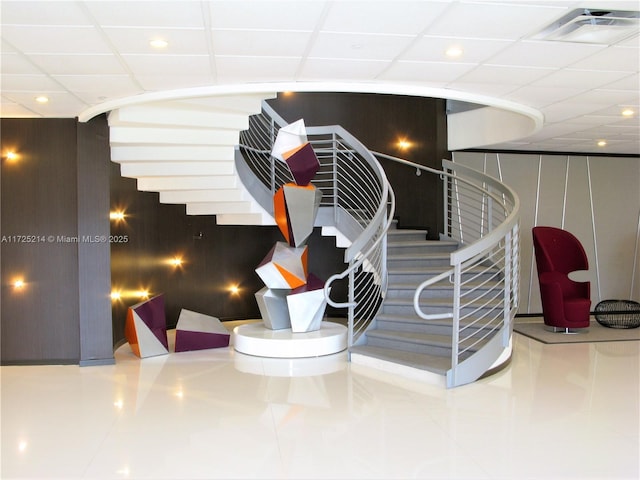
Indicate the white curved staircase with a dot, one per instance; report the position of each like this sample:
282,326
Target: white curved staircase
185,150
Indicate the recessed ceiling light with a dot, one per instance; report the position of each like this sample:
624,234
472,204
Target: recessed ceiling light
454,52
627,112
42,99
602,143
158,43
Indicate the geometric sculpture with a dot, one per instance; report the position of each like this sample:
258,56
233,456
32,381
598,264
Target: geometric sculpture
196,331
273,308
295,209
289,137
146,328
302,163
292,297
284,267
306,305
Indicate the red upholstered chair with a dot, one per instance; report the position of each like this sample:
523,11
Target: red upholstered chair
565,302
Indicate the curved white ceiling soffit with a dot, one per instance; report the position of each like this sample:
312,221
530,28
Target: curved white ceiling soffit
498,121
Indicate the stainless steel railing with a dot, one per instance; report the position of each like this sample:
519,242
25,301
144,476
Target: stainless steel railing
356,199
481,214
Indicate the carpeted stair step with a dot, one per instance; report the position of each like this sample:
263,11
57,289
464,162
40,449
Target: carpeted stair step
438,345
421,361
405,234
435,305
442,289
395,246
400,260
413,323
407,274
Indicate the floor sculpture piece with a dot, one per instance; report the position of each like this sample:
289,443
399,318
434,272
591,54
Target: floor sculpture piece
146,328
293,297
196,331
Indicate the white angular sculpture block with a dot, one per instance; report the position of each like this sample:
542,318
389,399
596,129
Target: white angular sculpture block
197,331
288,138
284,267
307,305
273,308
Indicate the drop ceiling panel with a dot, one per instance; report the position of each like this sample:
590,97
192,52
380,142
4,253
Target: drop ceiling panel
272,15
180,40
587,79
360,46
433,49
508,75
429,73
260,69
91,51
508,21
40,83
53,64
43,13
622,59
390,17
58,39
256,42
168,64
537,54
146,13
336,69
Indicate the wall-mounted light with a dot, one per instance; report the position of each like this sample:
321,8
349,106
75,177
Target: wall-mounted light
404,144
11,156
115,295
116,215
175,262
142,293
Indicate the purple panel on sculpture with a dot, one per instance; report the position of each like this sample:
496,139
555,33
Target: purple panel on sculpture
186,340
152,313
313,283
303,164
269,257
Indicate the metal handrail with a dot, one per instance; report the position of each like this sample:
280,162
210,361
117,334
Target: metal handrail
482,215
354,188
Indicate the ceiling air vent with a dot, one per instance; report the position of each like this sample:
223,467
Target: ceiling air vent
592,26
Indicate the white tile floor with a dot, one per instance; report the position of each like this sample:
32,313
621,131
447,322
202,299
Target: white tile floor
557,412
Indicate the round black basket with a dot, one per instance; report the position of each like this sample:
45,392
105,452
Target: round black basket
618,313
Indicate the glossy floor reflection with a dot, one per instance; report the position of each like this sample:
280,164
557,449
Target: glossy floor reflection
557,412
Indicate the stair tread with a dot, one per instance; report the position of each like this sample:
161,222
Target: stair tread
439,301
421,243
421,361
444,284
411,256
413,318
412,337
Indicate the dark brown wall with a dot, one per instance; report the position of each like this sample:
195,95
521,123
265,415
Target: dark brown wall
215,256
39,197
378,121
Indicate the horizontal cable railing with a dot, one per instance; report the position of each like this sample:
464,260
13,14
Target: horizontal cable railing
481,214
355,192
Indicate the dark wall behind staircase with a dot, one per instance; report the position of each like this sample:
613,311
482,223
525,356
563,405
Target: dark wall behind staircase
379,121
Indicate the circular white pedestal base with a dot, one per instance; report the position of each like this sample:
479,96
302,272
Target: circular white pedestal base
255,339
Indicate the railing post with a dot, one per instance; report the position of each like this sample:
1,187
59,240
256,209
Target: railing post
335,178
351,309
455,326
272,160
506,334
